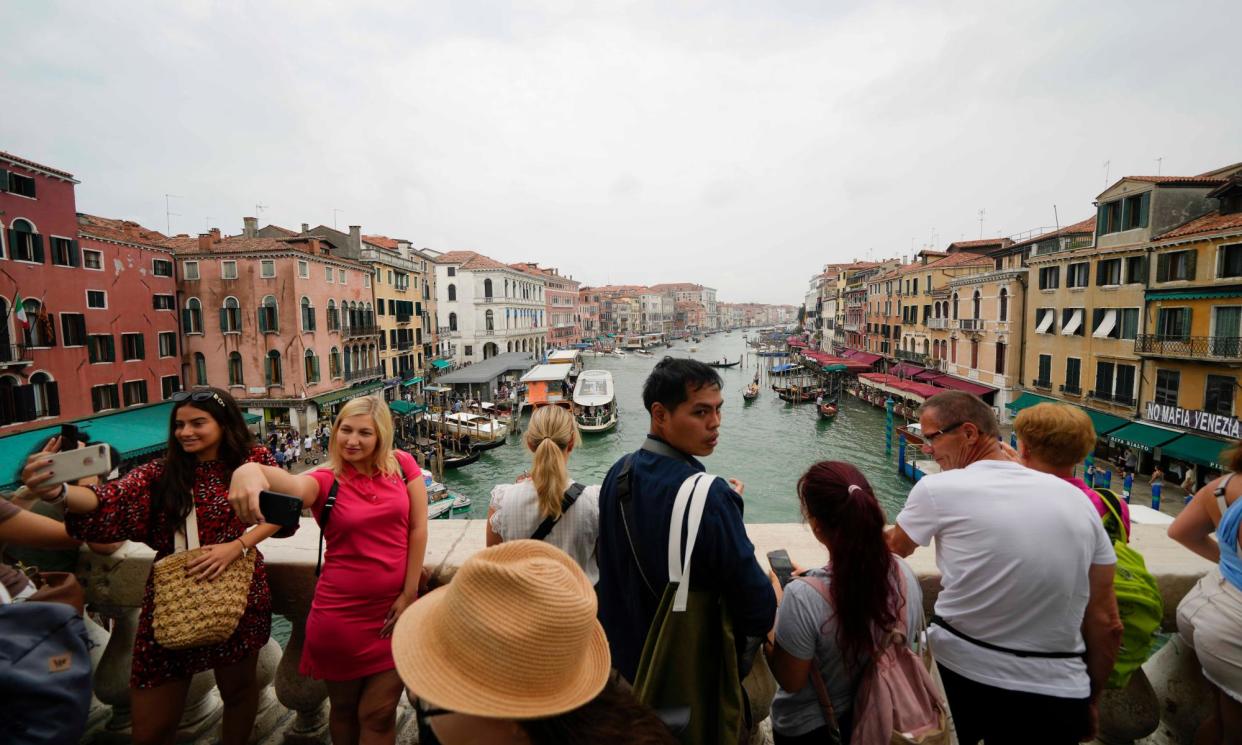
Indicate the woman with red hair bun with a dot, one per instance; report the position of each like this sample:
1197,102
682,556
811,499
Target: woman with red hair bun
838,634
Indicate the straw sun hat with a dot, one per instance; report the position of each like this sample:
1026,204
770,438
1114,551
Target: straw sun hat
513,636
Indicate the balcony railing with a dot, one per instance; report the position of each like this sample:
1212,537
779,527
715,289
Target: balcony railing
1045,384
15,354
1072,390
352,332
402,346
937,323
1227,347
970,324
911,356
1119,399
362,374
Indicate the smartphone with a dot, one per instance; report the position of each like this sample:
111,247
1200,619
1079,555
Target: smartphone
781,565
281,509
87,460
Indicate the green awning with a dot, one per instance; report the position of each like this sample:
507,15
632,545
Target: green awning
440,364
1194,294
1204,451
344,394
412,381
1027,400
1104,423
251,418
1142,436
835,367
405,407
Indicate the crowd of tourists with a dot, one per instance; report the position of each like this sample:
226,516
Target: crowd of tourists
636,611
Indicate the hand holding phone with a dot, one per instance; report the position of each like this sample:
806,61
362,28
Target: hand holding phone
782,565
71,465
281,509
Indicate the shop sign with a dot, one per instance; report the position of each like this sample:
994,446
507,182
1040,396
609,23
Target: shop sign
1201,421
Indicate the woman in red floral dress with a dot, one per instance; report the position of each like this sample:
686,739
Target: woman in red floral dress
207,440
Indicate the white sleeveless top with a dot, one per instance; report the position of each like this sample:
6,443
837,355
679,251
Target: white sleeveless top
516,515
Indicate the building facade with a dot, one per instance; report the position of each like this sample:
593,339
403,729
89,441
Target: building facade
561,310
486,307
400,278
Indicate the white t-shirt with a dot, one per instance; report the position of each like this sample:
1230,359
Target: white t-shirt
1014,547
517,515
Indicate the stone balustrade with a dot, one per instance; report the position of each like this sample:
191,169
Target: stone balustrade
293,708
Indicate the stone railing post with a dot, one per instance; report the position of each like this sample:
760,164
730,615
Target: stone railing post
306,697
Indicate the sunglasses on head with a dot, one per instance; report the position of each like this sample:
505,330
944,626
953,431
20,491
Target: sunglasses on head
196,397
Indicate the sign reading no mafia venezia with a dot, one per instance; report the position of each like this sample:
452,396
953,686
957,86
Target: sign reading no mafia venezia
1213,424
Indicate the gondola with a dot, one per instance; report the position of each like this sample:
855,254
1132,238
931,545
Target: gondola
801,396
751,393
734,363
828,409
457,460
488,444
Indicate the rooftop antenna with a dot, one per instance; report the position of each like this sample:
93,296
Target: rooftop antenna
258,211
982,213
1107,163
207,224
334,213
1056,218
168,213
1159,164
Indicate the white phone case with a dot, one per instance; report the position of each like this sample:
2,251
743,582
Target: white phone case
88,460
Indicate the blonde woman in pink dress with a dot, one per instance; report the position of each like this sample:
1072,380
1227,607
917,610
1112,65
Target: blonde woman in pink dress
376,535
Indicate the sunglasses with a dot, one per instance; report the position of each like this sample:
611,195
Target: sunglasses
930,437
196,397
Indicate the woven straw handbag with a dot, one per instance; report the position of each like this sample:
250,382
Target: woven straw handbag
189,613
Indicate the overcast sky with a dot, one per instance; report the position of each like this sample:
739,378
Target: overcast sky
738,144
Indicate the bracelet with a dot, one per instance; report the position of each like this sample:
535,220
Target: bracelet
245,549
64,491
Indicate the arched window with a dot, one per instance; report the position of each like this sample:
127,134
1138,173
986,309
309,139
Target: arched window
41,331
452,293
369,320
452,321
953,351
200,369
230,316
509,346
489,320
1000,358
236,376
308,315
46,398
926,345
977,300
269,316
1004,304
24,243
192,317
487,287
334,363
272,373
334,320
312,367
955,307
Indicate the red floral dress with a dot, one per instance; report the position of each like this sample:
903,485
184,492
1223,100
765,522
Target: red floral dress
125,513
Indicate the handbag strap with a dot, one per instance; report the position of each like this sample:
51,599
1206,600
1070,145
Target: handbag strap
567,501
688,513
186,539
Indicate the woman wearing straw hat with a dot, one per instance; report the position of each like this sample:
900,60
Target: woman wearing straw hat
376,536
521,510
510,651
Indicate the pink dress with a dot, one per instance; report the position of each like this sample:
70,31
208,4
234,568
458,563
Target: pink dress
363,573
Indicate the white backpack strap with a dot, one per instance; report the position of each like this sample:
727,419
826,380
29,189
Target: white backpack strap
188,533
674,531
698,501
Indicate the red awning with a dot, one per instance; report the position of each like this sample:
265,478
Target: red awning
794,341
823,358
920,391
866,357
906,370
927,375
948,381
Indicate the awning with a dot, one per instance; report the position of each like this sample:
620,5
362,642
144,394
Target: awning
1143,436
866,358
835,367
1195,294
1106,324
251,418
784,368
405,407
440,364
1027,400
927,375
412,381
1075,320
957,384
344,394
1046,322
1204,451
1104,422
906,370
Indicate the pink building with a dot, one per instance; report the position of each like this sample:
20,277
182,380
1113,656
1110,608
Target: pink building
561,297
96,328
282,323
588,313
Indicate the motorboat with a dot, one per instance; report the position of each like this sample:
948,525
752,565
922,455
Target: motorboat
595,401
478,426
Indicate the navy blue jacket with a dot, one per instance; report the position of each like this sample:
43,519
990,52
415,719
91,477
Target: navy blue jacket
724,558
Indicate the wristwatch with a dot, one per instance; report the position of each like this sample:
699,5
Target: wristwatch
64,490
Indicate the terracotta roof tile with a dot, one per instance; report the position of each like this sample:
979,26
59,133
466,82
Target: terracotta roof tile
31,164
982,243
1174,180
126,231
961,258
239,244
1209,223
382,241
470,260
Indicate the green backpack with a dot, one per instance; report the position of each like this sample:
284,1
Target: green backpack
1138,596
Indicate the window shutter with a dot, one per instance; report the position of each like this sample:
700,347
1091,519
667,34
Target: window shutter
185,321
1099,273
1127,209
4,180
142,347
262,320
24,402
36,242
75,254
1191,257
1144,209
53,398
1162,268
1101,220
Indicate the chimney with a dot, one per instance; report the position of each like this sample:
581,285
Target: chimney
251,226
305,228
215,235
205,242
355,238
312,245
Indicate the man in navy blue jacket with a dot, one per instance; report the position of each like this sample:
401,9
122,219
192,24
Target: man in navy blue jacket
684,399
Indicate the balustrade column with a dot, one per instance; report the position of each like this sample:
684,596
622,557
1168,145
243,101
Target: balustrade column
308,698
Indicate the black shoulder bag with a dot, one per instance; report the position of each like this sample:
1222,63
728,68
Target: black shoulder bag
567,501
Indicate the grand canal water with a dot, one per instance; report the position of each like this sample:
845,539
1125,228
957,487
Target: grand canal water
767,444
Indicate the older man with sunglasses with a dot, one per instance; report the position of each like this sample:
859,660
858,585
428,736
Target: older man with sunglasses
1025,629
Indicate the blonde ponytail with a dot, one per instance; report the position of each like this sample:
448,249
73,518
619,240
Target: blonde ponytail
549,435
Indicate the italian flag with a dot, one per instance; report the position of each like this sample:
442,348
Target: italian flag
21,311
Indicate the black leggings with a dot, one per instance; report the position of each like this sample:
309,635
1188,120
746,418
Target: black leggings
998,715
